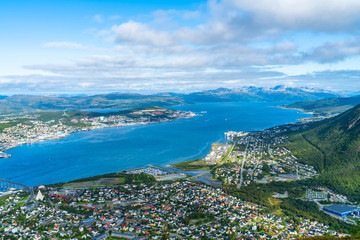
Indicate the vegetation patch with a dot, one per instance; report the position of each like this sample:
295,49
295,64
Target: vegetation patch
274,201
292,206
198,164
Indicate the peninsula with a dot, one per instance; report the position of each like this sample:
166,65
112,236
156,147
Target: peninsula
30,128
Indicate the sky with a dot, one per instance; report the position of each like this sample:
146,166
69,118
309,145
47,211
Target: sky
87,47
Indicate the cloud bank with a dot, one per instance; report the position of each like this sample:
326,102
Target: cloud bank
223,43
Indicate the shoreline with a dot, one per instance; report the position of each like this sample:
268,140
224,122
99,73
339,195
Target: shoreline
98,127
298,109
312,118
66,134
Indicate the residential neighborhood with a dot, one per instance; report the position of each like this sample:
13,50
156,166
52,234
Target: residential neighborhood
181,210
157,203
260,157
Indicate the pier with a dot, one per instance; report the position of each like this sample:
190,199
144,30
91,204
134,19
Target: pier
162,169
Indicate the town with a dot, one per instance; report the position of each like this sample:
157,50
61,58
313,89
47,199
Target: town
157,203
31,128
260,157
176,210
256,157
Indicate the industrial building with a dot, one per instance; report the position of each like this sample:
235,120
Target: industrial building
316,195
341,210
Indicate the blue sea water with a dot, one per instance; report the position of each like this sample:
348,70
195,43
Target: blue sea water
85,154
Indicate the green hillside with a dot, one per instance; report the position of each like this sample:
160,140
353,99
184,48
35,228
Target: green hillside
327,105
29,103
9,108
333,147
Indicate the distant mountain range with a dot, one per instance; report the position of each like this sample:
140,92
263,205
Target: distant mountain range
326,106
30,103
278,93
333,147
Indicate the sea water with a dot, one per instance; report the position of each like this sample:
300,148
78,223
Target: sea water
107,150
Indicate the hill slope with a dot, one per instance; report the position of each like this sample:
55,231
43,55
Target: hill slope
333,147
29,103
326,106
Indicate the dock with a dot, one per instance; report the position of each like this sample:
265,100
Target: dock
162,169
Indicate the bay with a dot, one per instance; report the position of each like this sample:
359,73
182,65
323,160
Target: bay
101,151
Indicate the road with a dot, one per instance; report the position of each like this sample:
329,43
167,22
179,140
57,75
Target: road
199,175
258,163
269,150
24,186
229,153
242,168
253,171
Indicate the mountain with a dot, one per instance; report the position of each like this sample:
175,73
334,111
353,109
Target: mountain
28,103
278,93
9,108
332,146
326,106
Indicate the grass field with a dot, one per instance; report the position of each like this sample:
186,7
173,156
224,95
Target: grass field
275,201
99,182
3,199
198,164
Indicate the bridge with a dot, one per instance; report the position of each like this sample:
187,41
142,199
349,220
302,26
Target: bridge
6,185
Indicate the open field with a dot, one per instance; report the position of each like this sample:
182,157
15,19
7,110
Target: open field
198,164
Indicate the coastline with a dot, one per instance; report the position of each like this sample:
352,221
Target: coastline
75,130
309,119
189,162
280,119
298,109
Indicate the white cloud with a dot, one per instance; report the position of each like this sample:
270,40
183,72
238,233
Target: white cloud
98,18
243,21
115,17
335,51
191,14
135,32
319,15
227,56
169,53
70,45
178,81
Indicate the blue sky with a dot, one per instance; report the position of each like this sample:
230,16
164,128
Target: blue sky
52,47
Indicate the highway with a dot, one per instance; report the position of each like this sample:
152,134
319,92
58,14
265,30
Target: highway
24,186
